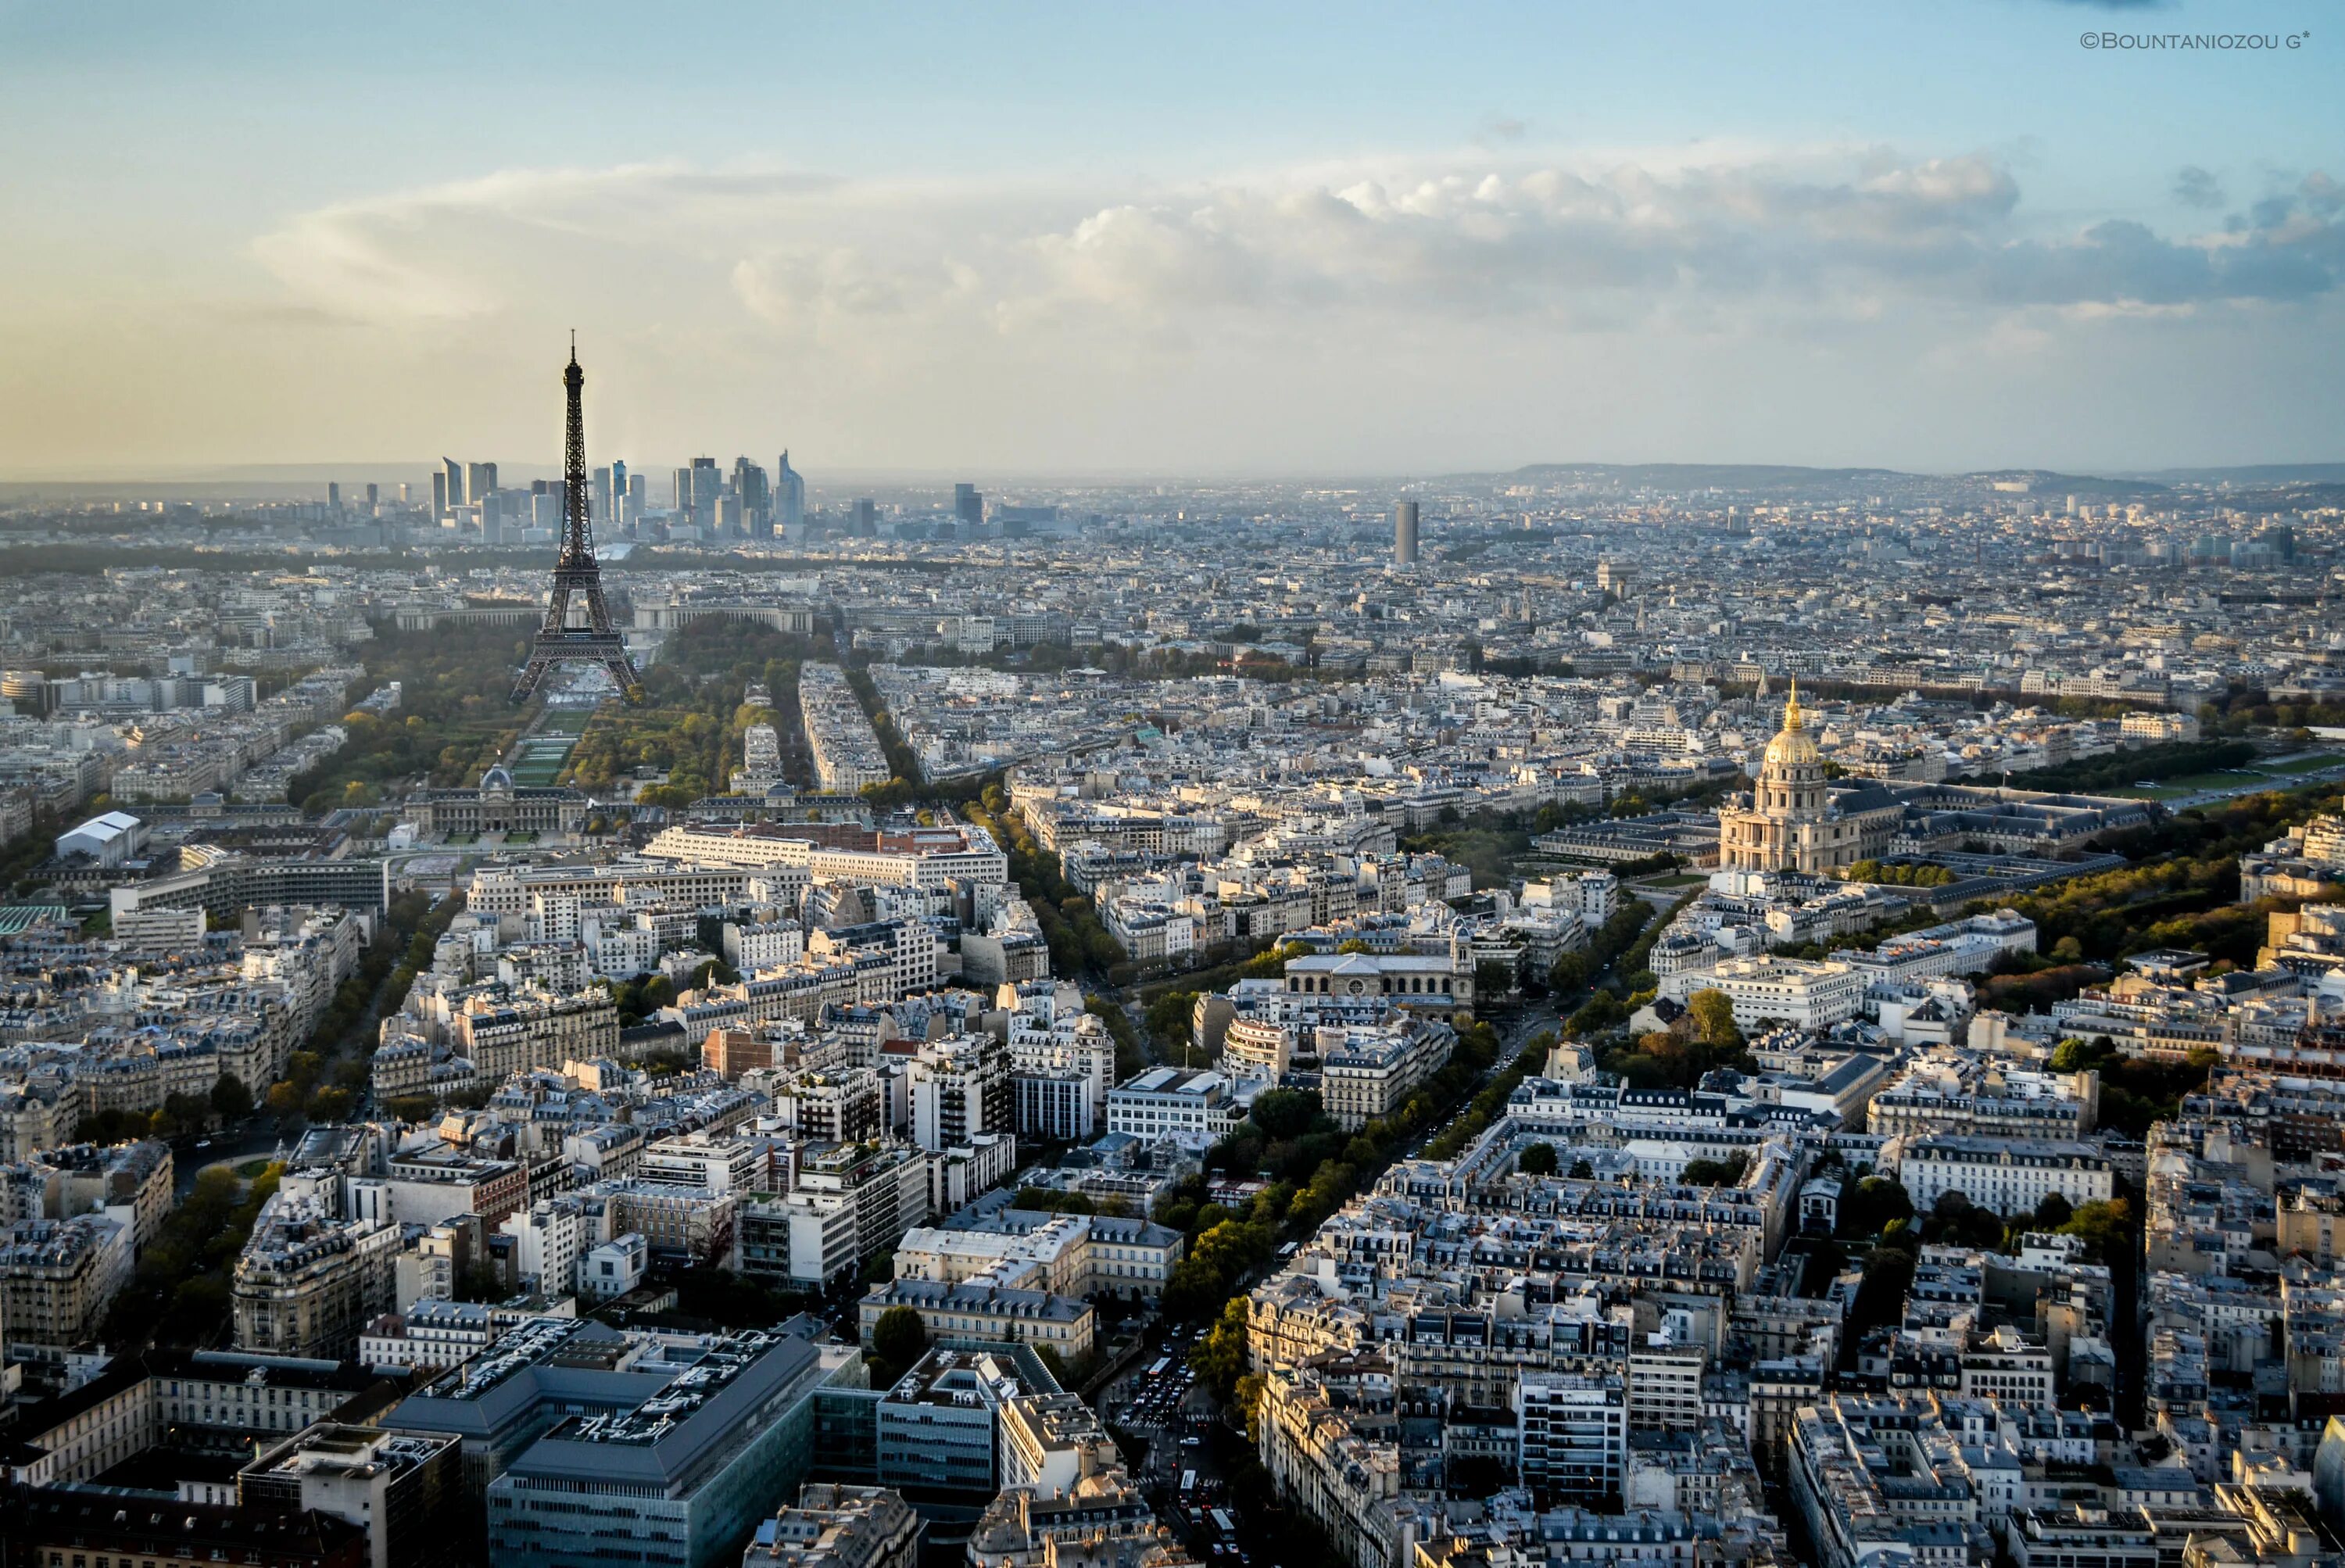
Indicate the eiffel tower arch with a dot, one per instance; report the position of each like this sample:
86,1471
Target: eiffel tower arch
577,627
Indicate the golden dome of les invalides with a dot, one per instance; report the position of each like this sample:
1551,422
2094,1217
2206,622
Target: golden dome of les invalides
1793,746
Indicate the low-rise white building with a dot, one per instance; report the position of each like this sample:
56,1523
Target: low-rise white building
2000,1174
1804,994
1194,1109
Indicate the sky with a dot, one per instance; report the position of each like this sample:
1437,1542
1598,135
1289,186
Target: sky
1182,239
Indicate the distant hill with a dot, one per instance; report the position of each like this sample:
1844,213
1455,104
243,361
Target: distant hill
2042,482
2258,475
2254,487
1743,476
2286,498
1792,479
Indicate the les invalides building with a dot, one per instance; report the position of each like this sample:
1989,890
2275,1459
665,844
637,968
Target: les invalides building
1797,821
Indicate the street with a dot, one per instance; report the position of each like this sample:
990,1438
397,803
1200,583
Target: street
1185,1471
233,1146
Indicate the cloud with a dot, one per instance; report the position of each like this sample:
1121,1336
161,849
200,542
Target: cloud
1734,240
1549,243
449,252
809,288
2195,187
345,268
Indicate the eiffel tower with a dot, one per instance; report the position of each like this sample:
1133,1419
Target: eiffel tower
577,578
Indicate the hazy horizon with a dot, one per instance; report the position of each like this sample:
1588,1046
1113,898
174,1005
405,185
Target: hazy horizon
281,480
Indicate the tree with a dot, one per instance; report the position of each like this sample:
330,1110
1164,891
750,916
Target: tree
1219,1358
2077,1056
1248,1403
1714,1173
1956,1219
1872,1206
1171,1019
230,1098
1286,1113
1880,1299
731,1299
1582,1171
2067,950
1713,1017
898,1339
1539,1160
2108,1228
2053,1212
1569,975
1599,1012
1493,979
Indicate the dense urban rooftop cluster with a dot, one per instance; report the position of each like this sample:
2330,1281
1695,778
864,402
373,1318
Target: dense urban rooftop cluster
1609,1018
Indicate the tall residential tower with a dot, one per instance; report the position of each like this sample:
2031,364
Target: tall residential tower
790,499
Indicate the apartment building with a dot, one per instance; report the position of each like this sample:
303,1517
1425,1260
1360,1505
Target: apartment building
846,754
1369,1070
836,1526
1573,1435
58,1278
833,1105
53,1527
852,1202
1998,1174
928,858
1881,1480
988,1312
1328,1449
396,1487
727,1164
504,1035
960,1088
500,890
131,1182
1088,1255
307,1281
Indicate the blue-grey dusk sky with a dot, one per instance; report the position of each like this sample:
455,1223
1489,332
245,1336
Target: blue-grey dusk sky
1192,238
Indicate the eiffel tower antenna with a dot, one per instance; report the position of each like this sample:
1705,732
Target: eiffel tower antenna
577,578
